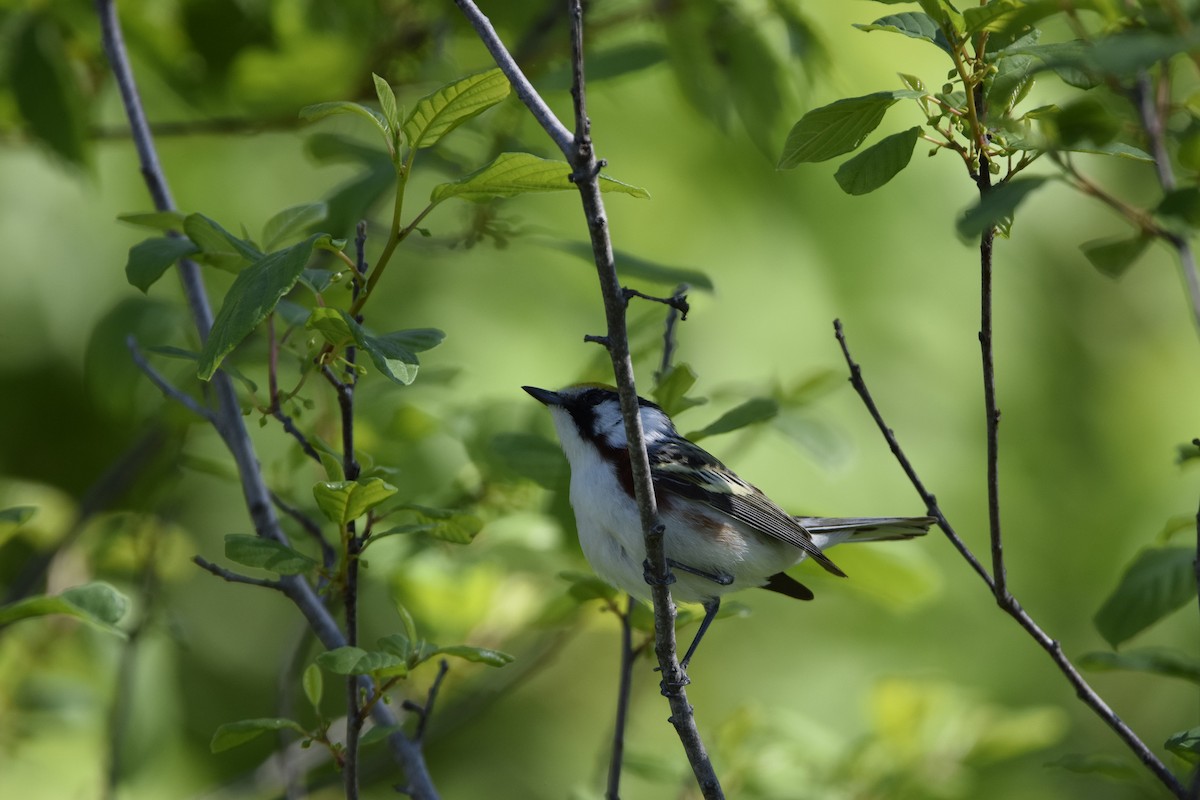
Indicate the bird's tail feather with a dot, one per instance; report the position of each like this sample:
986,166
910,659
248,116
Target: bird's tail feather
866,529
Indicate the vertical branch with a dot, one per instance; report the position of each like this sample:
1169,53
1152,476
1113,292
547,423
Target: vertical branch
624,688
229,422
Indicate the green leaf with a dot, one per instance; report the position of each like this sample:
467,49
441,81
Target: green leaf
410,650
333,324
477,655
1118,149
255,551
1113,256
838,127
292,222
586,586
442,111
97,604
612,62
671,389
532,457
455,527
878,164
1186,745
994,16
520,173
218,247
631,266
11,520
752,412
345,501
387,103
356,661
314,685
997,206
406,619
1160,580
321,110
1011,82
1086,120
1154,660
391,357
251,298
148,260
1187,452
41,71
1096,764
915,24
155,220
1182,205
232,734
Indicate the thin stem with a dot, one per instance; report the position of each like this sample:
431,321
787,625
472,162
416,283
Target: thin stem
1006,601
673,314
179,396
236,577
625,685
229,422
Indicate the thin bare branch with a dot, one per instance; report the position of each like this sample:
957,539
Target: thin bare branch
165,386
236,577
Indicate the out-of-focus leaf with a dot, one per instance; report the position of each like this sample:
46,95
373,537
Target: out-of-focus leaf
155,220
148,260
218,247
838,127
255,551
631,266
752,412
1181,204
586,586
253,296
442,111
11,519
1010,83
608,63
1187,452
292,222
1155,660
97,604
520,173
456,527
314,685
1118,149
356,661
915,24
1159,581
997,206
671,389
321,110
1096,764
344,501
478,655
1113,256
1086,119
531,457
45,88
353,200
878,164
1186,745
232,734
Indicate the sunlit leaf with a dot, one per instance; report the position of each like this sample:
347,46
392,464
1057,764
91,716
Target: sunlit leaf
233,734
754,411
478,655
218,247
838,127
442,111
387,103
98,604
148,260
253,296
344,501
878,164
314,685
915,24
268,554
520,173
356,661
1159,581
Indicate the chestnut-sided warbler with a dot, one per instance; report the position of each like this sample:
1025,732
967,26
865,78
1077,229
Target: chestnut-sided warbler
721,534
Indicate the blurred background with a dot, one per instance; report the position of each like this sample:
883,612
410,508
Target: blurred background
904,681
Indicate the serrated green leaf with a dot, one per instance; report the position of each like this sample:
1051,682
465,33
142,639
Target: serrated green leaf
670,390
837,128
313,682
440,112
253,296
344,501
631,266
1186,745
878,164
155,220
1154,660
356,661
997,207
754,411
521,173
1114,256
268,554
321,110
291,222
232,734
477,655
914,24
44,84
218,247
97,604
387,103
148,260
1159,581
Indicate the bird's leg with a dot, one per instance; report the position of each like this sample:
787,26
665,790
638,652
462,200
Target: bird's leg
710,612
719,578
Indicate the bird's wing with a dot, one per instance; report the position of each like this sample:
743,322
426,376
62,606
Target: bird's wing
686,470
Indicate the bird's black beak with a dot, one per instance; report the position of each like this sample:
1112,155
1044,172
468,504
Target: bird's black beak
544,395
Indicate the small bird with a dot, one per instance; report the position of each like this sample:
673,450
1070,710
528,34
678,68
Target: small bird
721,533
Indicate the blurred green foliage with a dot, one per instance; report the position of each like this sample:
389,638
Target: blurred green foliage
900,682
